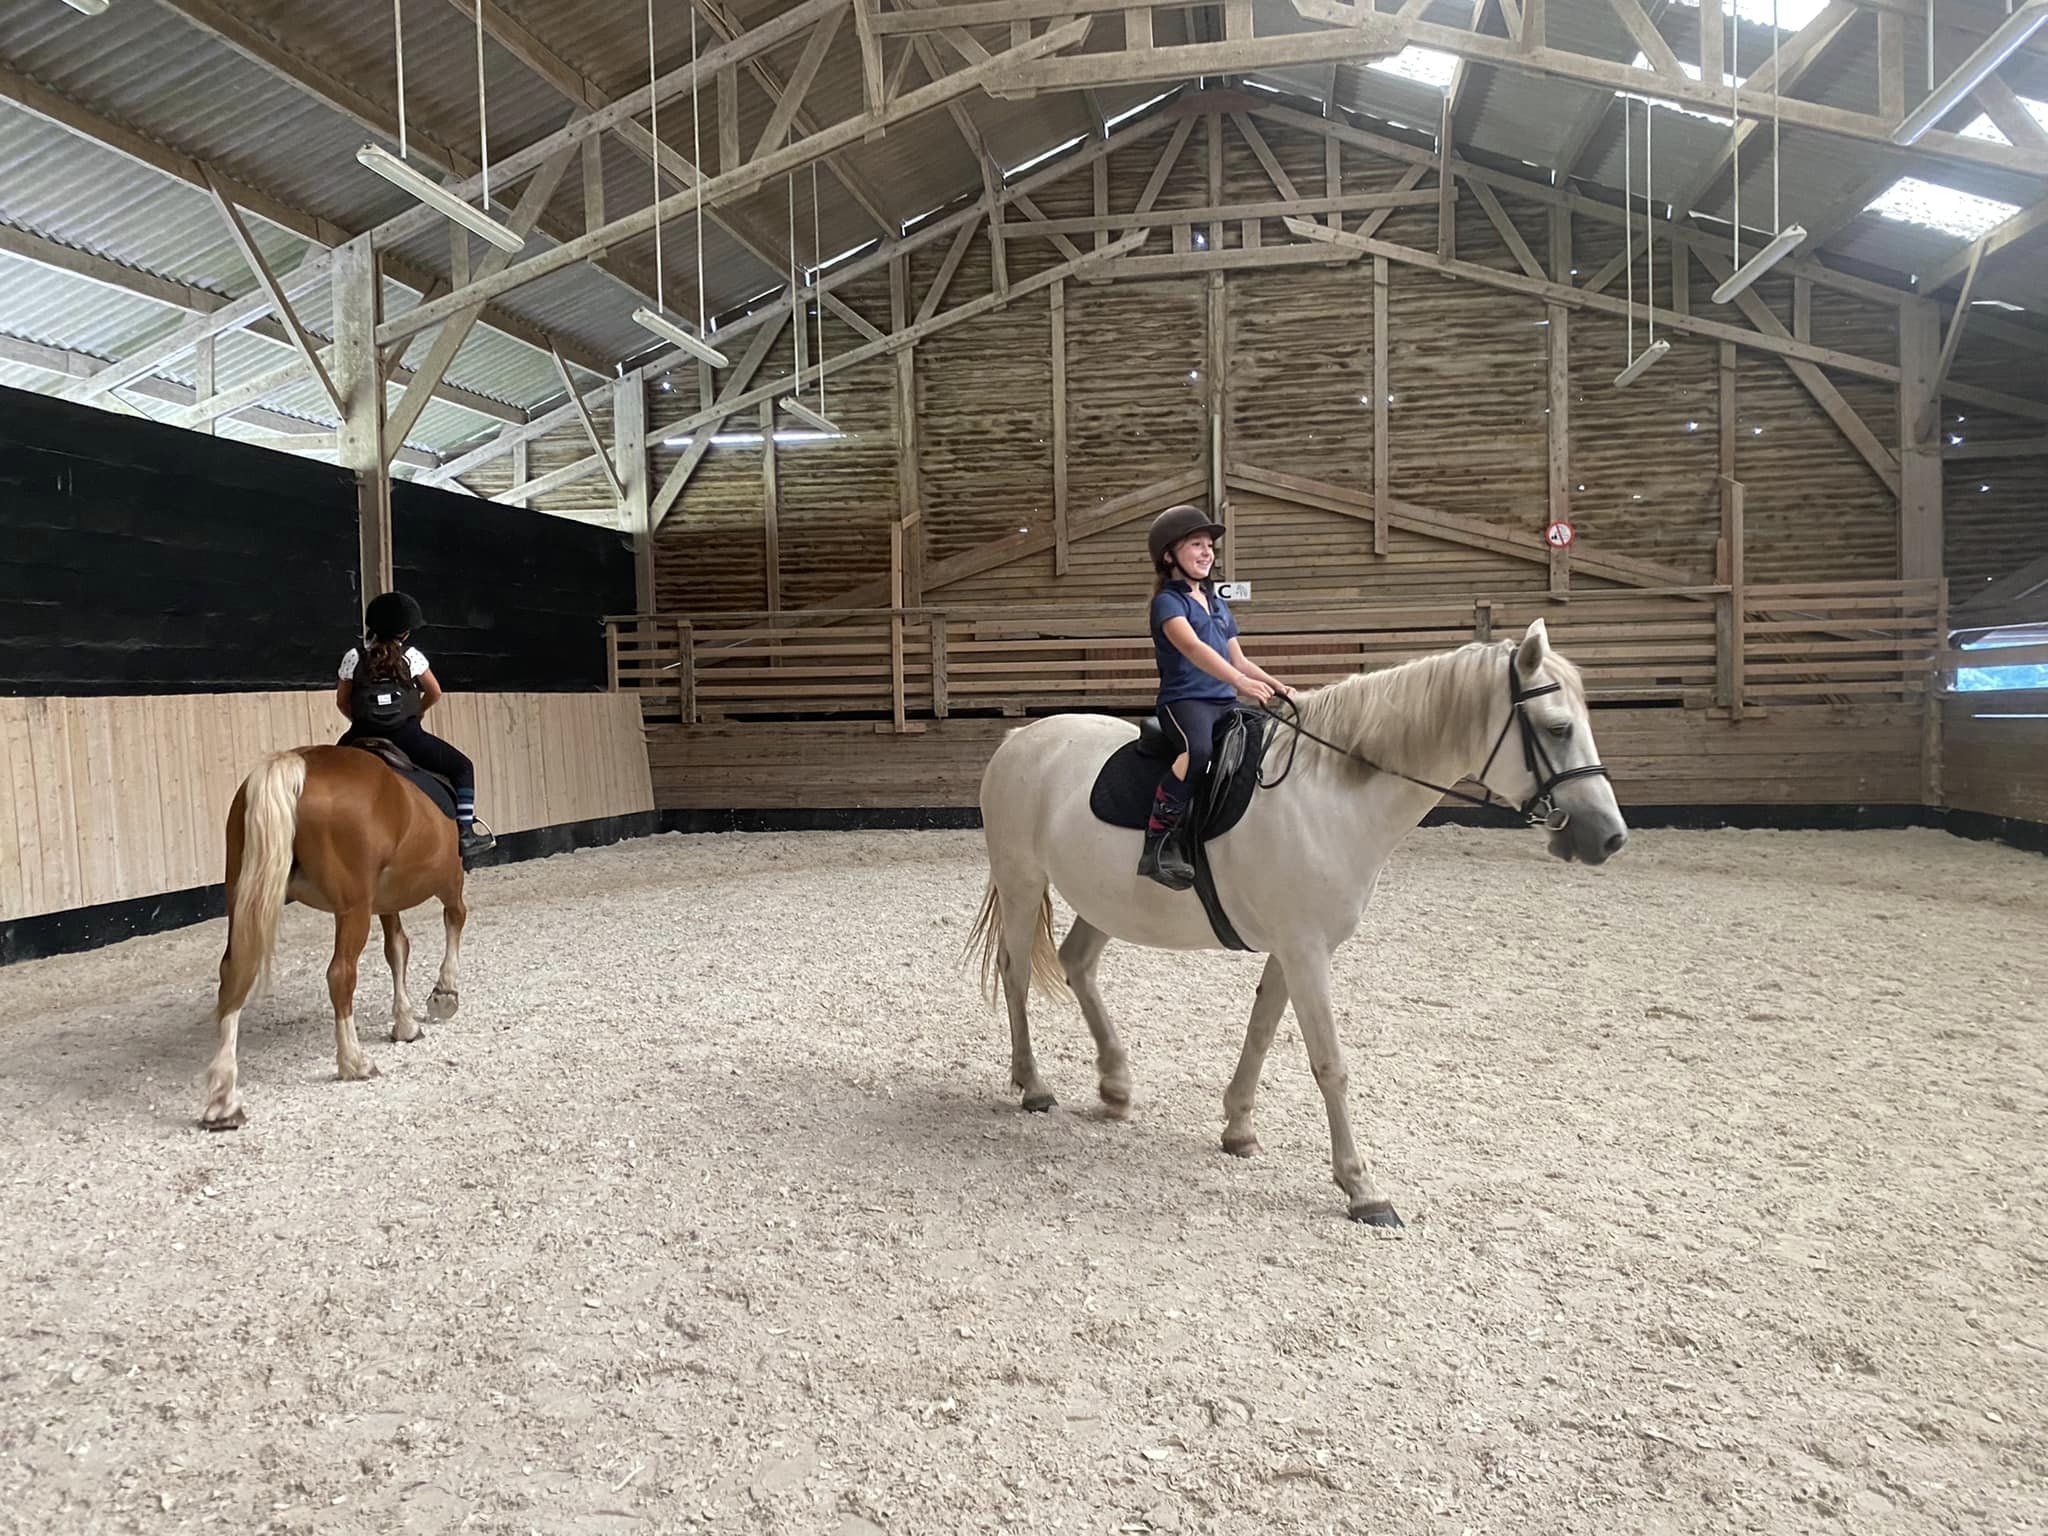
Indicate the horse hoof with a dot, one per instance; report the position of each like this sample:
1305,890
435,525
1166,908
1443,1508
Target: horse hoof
441,1005
1376,1213
1039,1103
417,1035
1242,1146
1116,1099
232,1121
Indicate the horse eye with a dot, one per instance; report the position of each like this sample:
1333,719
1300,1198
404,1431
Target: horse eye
1561,730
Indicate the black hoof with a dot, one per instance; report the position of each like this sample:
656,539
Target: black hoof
1039,1103
1379,1213
233,1122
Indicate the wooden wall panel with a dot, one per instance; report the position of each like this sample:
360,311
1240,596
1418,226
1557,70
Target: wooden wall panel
1994,511
1293,553
1813,510
984,399
1995,765
1800,756
837,498
105,799
1301,372
1468,371
1134,414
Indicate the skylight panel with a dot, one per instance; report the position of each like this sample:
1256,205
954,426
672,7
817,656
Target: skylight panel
1981,126
1909,200
1792,14
1691,72
1425,66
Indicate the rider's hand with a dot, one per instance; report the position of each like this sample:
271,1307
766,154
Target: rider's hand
1285,692
1258,691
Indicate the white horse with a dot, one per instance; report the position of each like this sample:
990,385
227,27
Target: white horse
1296,872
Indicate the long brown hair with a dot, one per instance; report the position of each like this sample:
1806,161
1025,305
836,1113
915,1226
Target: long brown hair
384,661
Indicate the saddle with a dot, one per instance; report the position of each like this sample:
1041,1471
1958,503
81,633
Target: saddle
1123,790
432,785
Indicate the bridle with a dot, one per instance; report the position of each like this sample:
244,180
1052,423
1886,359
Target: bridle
1539,807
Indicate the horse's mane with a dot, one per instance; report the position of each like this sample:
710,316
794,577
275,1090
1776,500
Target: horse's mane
1424,717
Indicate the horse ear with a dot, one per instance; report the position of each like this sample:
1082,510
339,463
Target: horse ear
1533,650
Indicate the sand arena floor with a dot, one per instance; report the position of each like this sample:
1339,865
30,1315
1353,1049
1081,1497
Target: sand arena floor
713,1210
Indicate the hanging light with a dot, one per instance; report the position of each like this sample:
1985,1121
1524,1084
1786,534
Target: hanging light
88,7
1789,236
1641,362
2019,25
793,402
396,170
805,414
653,320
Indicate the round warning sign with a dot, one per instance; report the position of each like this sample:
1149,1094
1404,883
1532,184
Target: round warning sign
1559,535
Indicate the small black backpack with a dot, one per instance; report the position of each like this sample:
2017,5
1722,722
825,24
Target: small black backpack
381,705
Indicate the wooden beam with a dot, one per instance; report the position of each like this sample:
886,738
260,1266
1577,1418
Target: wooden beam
870,54
1731,609
1891,66
1662,60
1382,463
1559,456
1139,66
722,188
2014,229
1955,326
1920,511
1446,191
1505,228
2012,119
629,442
800,81
943,278
1573,298
590,433
1061,547
279,300
359,383
771,510
705,425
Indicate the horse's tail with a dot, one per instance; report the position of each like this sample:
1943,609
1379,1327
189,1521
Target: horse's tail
270,823
1046,969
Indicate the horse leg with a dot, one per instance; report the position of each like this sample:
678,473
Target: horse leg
445,998
351,932
397,955
1020,923
1080,953
1271,1002
223,1110
1308,979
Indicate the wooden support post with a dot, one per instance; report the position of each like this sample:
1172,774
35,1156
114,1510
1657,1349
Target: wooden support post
1219,412
1920,520
1060,549
1713,46
686,672
629,448
359,384
1561,246
593,199
202,379
1446,191
1730,609
909,488
1100,171
1138,27
940,702
1215,126
1681,278
1333,172
1560,402
1725,414
1891,66
1482,621
771,496
1933,791
896,702
1533,29
1382,465
522,471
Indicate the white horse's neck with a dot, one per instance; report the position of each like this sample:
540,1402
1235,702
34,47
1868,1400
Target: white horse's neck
1432,718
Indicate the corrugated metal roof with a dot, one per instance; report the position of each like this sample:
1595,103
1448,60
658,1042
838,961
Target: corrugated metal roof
209,101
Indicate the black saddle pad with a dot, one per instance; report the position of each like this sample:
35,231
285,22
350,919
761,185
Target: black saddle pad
432,785
1124,788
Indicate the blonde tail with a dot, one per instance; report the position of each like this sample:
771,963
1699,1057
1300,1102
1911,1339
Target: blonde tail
1046,969
270,799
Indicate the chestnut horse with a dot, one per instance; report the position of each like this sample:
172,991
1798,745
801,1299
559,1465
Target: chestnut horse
338,830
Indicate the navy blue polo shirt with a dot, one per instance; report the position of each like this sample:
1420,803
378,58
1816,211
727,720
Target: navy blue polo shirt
1180,678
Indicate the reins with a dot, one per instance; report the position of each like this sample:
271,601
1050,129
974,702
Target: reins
1547,776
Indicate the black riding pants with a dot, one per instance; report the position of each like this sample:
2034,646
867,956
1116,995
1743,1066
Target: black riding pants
1194,721
429,751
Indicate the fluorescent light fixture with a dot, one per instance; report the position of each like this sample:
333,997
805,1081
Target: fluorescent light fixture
394,170
1641,365
89,7
803,412
2017,27
1783,244
660,324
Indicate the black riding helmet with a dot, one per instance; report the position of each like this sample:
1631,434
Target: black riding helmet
1175,524
390,615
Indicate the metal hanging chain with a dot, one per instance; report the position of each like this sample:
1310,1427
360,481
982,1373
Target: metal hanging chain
1628,222
654,133
483,124
1735,114
818,281
697,160
398,27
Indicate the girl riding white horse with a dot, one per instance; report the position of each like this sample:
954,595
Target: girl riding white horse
1296,872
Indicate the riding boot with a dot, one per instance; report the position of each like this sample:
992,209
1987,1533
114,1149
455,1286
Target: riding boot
1165,858
473,841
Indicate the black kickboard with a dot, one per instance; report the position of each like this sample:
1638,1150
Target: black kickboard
432,785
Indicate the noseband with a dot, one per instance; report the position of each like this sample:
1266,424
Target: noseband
1539,807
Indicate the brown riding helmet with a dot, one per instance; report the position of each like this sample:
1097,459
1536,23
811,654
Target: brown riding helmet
1175,524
